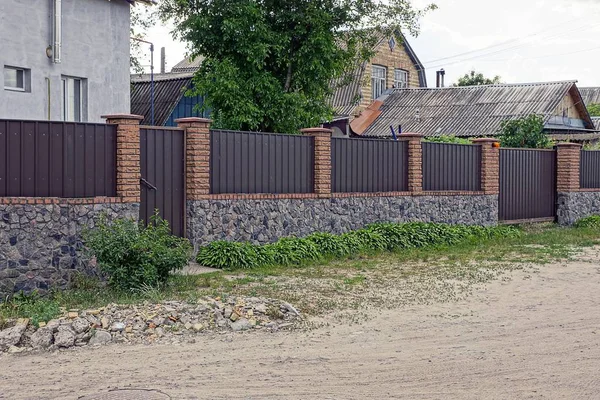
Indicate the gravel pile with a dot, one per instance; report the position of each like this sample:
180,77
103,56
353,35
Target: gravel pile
167,322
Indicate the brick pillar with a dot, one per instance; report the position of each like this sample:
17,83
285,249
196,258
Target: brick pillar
415,161
128,155
197,156
322,159
490,165
568,158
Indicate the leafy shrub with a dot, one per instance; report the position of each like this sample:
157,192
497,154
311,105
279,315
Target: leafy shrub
374,238
447,139
31,306
134,255
592,222
526,132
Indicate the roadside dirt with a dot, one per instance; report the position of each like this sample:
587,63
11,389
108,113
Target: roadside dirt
533,336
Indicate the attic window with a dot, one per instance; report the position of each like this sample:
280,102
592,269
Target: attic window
378,80
400,78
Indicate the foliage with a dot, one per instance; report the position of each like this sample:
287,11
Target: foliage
134,255
447,139
526,132
323,246
592,222
142,18
30,306
476,79
594,109
268,64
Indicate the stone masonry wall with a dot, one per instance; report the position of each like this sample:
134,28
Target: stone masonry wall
573,206
41,244
265,221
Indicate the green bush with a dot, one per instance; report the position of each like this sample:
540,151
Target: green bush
134,255
447,139
592,222
318,246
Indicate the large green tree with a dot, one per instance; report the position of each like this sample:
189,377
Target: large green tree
269,63
476,79
594,109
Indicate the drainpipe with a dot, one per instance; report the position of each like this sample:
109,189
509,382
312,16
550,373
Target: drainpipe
151,77
57,32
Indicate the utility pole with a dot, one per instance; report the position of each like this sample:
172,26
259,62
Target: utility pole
151,77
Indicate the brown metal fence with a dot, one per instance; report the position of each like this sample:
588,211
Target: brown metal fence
368,165
449,166
527,184
57,159
590,170
162,158
249,162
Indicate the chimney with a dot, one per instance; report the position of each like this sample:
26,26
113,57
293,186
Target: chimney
439,82
163,60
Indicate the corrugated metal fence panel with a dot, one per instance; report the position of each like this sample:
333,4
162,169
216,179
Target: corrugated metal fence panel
163,176
590,170
250,162
368,165
527,184
448,166
57,159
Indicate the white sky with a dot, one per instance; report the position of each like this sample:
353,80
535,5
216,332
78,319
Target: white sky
534,40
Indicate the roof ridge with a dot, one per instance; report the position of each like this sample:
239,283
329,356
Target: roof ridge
493,85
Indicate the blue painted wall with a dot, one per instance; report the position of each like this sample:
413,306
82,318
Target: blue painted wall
187,108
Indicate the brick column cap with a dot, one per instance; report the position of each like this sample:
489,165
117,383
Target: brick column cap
410,135
568,144
193,120
317,131
123,116
484,140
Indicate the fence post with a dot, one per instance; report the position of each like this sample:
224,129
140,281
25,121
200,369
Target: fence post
568,159
322,167
128,155
490,165
197,156
415,160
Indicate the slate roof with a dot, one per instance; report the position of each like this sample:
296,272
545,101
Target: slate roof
472,110
188,65
168,91
591,95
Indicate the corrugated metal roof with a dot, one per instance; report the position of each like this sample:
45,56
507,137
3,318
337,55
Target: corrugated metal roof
167,94
468,111
590,95
188,64
596,121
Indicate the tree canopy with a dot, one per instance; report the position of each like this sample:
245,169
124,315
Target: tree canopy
269,64
142,18
594,109
476,79
526,132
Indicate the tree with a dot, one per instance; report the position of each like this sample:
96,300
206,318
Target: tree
527,132
476,79
142,18
594,109
269,63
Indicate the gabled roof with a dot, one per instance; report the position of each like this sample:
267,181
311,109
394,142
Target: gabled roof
471,110
188,65
168,91
591,95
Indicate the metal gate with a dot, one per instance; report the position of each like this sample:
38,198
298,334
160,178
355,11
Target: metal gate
527,185
163,176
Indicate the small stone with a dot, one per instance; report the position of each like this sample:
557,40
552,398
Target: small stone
80,325
15,349
41,324
241,325
129,329
227,312
12,336
93,312
234,316
53,325
291,309
160,332
42,338
285,325
118,327
250,313
198,327
105,322
100,337
72,315
188,326
261,308
64,337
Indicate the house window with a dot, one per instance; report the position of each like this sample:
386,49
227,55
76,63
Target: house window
72,99
378,78
14,79
400,78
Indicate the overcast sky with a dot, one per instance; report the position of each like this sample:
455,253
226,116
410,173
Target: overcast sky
519,40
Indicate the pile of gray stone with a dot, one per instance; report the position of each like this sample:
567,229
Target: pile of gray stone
166,322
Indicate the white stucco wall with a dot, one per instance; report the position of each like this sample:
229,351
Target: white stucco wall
95,46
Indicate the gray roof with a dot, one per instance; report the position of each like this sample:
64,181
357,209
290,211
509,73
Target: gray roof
596,121
474,110
591,95
168,91
188,64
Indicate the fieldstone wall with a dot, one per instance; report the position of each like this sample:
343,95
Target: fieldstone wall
41,245
265,221
573,206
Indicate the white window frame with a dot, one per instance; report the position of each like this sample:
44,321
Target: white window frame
400,83
23,72
378,82
66,94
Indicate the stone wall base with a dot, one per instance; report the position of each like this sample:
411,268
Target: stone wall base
572,206
265,221
41,245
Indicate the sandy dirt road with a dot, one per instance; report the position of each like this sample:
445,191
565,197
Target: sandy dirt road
531,337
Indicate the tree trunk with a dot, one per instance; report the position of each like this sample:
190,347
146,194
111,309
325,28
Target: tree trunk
288,79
